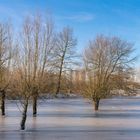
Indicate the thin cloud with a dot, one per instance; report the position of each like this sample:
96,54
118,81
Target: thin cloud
80,17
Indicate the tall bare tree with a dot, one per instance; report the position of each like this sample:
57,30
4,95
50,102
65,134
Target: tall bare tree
6,46
105,58
44,43
64,53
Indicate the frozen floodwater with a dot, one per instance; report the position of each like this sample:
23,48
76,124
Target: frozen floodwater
70,119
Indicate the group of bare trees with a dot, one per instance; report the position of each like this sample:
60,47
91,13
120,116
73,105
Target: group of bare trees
37,59
37,54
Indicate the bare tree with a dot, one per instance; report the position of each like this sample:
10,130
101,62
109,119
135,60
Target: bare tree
6,46
64,53
44,43
103,59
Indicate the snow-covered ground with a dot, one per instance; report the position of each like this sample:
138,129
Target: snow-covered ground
70,119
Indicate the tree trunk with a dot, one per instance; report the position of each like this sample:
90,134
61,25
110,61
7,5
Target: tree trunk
60,73
96,105
3,103
58,88
24,115
34,106
59,82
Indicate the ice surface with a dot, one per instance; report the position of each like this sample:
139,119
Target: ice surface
70,119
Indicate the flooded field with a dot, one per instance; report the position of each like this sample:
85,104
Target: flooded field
69,119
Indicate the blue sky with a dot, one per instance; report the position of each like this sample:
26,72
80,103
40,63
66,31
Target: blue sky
88,18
